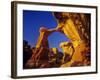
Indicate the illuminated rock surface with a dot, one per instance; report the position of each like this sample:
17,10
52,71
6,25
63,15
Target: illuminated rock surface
74,26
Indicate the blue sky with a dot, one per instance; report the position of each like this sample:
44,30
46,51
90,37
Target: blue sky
33,20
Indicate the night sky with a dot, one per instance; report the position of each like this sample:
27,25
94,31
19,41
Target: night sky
33,20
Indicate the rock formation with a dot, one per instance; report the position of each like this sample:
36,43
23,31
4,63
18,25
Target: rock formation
68,51
75,26
40,56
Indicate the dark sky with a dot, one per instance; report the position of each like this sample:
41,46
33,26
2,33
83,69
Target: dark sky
33,20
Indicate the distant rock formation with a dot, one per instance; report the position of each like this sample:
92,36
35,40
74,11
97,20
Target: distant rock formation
27,52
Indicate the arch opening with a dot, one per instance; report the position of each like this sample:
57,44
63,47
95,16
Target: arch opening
55,39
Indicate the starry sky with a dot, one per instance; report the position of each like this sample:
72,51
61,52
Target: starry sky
33,20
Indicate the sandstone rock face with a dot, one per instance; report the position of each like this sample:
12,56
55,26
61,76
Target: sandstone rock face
77,28
68,51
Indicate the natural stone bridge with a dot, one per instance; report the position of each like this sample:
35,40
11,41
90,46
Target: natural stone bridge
76,27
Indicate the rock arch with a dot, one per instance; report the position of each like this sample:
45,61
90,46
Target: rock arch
72,25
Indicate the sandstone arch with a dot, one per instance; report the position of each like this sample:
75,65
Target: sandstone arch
72,25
